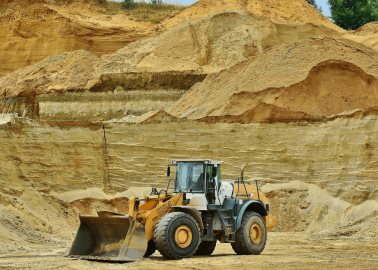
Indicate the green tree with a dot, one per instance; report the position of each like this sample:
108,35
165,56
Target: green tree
351,14
129,4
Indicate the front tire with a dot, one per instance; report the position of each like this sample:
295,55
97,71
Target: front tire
177,236
250,238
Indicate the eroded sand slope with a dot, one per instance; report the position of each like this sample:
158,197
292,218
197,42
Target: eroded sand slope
32,30
206,45
309,79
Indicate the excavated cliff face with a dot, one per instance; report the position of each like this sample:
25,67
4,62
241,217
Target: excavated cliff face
306,80
33,30
57,173
338,155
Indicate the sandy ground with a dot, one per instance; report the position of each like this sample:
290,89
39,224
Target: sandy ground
283,251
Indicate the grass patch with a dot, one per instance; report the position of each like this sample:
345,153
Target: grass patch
143,11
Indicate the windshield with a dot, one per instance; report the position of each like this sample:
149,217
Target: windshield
190,175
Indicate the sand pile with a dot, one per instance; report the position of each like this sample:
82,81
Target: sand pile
256,65
281,11
32,222
32,30
311,79
367,35
152,117
207,45
306,207
60,73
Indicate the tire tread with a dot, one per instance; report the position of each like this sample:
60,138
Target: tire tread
240,246
161,230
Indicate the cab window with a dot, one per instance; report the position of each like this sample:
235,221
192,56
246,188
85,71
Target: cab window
190,177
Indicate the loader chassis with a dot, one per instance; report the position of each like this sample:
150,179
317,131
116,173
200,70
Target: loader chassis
201,210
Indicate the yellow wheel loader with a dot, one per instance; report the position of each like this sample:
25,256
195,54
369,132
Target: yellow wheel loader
201,210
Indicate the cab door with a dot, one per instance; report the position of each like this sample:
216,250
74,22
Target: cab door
211,183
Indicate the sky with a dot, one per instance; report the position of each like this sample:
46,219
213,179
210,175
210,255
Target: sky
325,7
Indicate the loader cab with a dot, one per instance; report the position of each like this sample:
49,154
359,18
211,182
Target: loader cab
199,178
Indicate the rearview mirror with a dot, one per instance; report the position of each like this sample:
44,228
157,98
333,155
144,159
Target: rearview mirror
168,171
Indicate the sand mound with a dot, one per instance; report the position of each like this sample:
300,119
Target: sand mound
282,11
306,207
66,72
33,30
367,35
369,28
208,45
33,222
152,117
313,79
262,112
30,222
157,117
90,206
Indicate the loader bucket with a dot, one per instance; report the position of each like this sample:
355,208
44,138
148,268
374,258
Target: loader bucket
117,238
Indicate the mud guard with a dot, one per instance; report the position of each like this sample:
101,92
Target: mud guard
252,205
196,214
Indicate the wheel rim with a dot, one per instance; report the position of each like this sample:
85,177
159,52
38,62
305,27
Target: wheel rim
255,233
183,236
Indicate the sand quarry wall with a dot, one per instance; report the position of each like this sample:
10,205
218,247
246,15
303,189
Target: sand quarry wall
339,156
320,178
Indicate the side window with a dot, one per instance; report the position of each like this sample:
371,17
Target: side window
219,173
197,182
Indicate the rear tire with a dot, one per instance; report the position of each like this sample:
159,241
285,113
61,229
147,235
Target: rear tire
151,248
206,248
177,236
250,238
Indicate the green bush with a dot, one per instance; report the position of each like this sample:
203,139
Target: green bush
129,4
351,14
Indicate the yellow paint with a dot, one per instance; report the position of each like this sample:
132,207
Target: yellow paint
251,190
152,210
